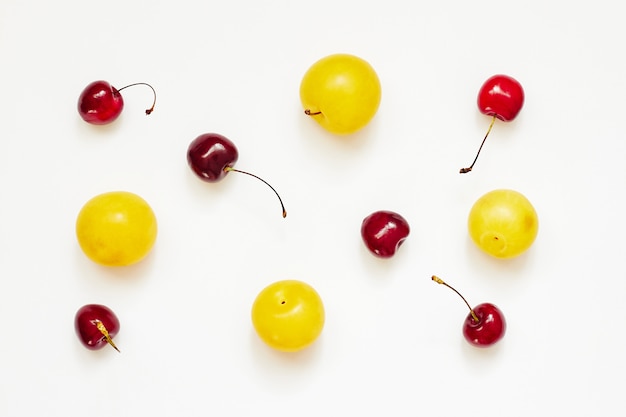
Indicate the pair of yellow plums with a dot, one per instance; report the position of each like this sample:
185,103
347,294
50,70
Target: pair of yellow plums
289,315
119,228
342,93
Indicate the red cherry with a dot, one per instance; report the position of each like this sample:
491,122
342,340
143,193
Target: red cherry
100,103
500,97
383,232
211,156
489,327
484,325
96,326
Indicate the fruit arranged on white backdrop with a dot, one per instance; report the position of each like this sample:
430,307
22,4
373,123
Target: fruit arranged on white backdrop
100,103
341,92
500,97
116,228
484,325
503,223
211,156
383,232
288,315
96,325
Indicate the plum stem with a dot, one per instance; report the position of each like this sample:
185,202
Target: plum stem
308,112
151,109
228,169
442,282
466,170
105,333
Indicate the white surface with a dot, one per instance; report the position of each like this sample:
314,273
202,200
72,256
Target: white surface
392,344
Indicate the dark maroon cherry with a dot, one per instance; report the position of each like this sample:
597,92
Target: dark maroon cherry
485,323
383,232
500,97
96,325
100,103
211,156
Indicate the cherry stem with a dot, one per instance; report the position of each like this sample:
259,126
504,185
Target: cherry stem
151,109
105,333
228,169
308,112
442,282
466,170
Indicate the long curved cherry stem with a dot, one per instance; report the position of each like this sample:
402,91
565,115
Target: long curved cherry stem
105,333
228,169
151,109
442,282
466,170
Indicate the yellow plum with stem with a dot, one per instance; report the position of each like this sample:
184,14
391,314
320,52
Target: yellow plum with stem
341,92
503,223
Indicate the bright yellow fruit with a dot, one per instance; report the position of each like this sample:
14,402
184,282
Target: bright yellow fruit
503,223
116,228
288,315
341,92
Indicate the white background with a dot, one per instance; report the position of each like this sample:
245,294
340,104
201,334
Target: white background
392,344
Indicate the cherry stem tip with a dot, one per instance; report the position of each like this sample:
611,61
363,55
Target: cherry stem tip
437,279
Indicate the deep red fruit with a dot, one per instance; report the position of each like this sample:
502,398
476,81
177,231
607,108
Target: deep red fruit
100,103
484,325
489,328
211,155
501,96
383,232
96,325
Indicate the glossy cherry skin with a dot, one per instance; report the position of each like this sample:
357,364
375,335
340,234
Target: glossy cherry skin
501,96
210,154
86,325
489,328
383,232
100,103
